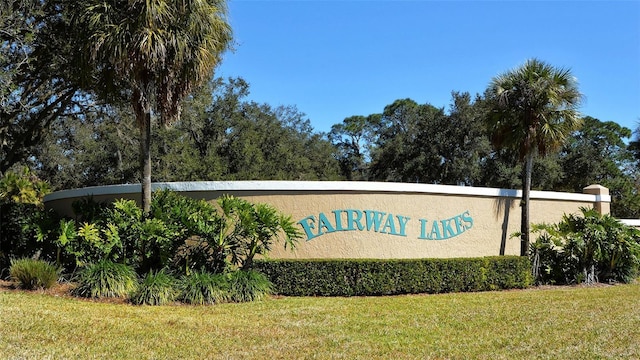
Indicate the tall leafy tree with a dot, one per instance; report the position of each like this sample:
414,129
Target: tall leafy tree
396,156
89,149
152,53
37,78
533,109
503,169
595,154
463,141
422,143
353,139
598,154
219,136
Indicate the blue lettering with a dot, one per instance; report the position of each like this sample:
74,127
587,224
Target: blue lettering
389,224
435,232
354,222
403,220
374,219
385,223
447,230
459,227
323,223
423,230
468,219
307,225
338,220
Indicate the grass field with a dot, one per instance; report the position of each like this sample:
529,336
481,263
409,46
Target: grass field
601,322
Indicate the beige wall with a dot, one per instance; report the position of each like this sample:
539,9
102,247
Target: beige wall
469,222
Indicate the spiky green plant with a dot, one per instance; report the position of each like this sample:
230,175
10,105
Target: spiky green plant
33,274
157,288
106,279
200,288
587,247
248,285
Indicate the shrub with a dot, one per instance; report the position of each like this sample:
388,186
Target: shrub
363,277
106,279
33,274
251,229
586,248
21,210
248,285
18,232
196,224
200,288
179,233
157,288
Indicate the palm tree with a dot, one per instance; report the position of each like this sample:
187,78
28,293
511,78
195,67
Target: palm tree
152,53
532,109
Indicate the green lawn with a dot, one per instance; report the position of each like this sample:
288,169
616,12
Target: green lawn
568,323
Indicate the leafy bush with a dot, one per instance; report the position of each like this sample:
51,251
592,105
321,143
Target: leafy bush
33,274
106,279
23,187
363,277
18,238
586,248
157,288
250,229
248,285
180,234
21,208
200,288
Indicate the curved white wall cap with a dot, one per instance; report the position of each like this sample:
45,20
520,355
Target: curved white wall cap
329,186
631,222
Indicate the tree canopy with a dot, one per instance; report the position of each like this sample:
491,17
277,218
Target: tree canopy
37,79
78,128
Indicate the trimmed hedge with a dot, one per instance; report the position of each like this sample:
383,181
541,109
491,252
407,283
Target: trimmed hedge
362,277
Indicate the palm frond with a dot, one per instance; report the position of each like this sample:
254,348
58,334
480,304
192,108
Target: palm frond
534,107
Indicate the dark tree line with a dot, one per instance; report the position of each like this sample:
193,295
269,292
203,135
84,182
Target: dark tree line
220,136
411,142
54,121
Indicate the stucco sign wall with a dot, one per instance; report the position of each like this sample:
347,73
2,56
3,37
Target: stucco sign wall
380,220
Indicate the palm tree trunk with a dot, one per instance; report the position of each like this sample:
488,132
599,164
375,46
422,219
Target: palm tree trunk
526,189
145,160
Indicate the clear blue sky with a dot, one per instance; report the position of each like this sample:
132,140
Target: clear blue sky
334,59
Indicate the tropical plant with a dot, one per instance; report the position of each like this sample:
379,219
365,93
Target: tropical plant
21,210
127,217
85,243
250,229
33,274
120,233
533,109
155,52
196,225
589,247
180,233
157,288
106,279
23,187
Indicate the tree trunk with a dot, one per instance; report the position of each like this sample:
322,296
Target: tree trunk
145,160
526,189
